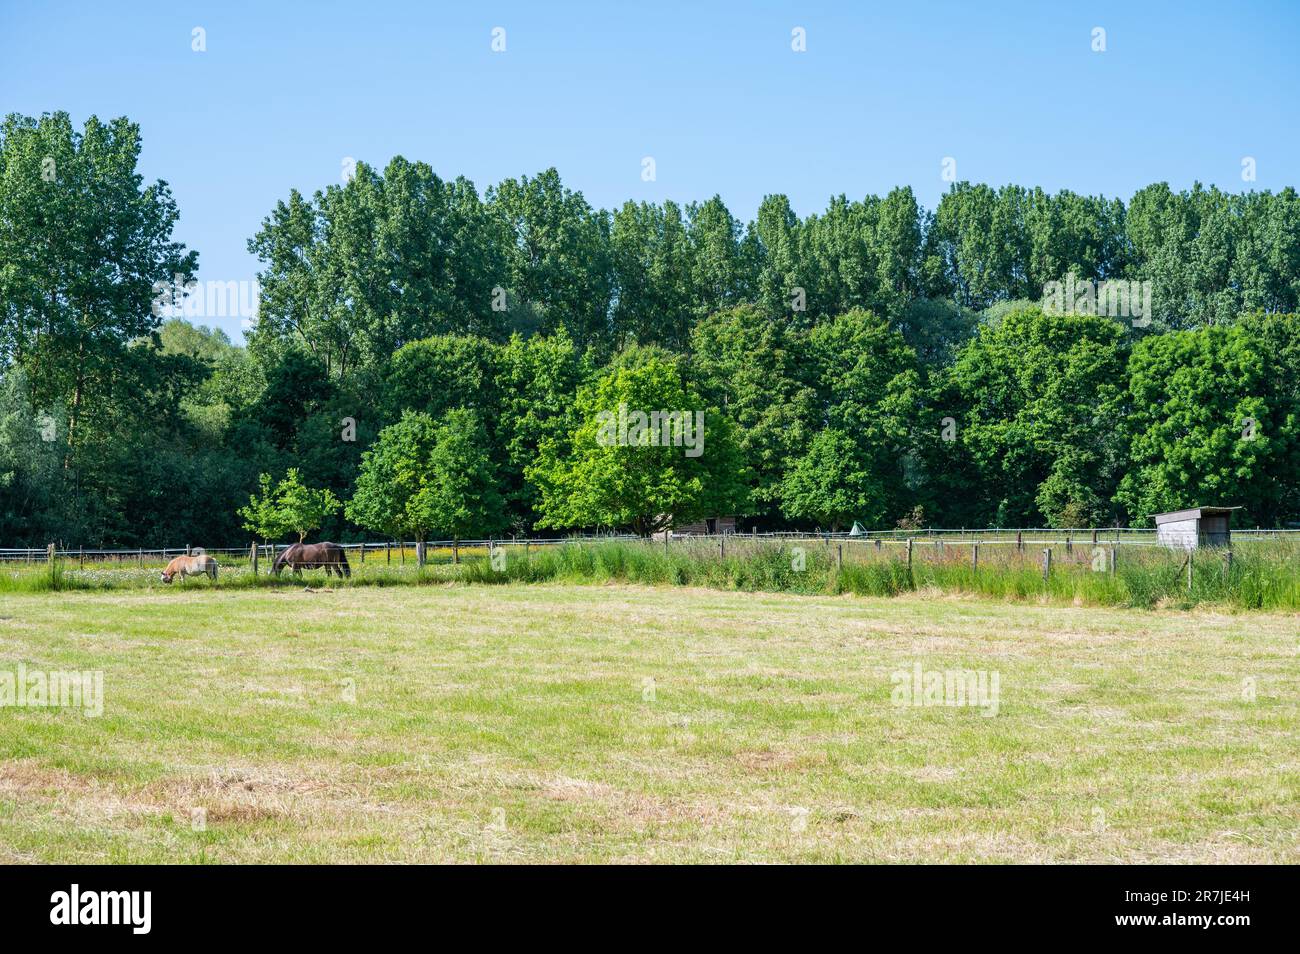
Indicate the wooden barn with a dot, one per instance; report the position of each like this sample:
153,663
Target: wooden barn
1197,527
708,525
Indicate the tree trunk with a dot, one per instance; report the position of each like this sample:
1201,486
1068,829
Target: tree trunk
76,403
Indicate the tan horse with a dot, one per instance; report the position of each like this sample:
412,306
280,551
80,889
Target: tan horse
196,565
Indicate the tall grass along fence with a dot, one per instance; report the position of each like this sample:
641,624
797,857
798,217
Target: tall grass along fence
388,551
1260,571
1254,574
55,568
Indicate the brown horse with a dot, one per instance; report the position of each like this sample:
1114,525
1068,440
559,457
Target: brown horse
313,556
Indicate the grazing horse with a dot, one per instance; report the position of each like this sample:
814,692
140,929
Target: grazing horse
197,565
313,556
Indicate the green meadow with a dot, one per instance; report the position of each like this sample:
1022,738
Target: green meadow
554,722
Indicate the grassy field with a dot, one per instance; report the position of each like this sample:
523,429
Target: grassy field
557,723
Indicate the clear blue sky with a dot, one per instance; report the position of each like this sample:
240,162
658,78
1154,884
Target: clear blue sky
712,91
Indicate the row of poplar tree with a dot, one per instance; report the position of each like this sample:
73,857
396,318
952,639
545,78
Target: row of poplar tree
875,361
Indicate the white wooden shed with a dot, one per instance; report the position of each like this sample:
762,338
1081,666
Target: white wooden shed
1197,527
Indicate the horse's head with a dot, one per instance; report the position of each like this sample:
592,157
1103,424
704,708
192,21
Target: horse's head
166,577
281,559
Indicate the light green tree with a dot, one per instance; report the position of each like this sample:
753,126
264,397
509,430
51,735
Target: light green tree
423,476
262,517
833,484
289,506
1210,421
596,478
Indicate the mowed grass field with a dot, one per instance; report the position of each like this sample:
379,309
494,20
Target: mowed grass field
551,723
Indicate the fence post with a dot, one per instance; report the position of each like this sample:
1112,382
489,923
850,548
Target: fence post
388,551
140,556
1020,540
1069,543
50,556
363,551
974,556
839,555
722,547
877,543
187,551
1114,552
1047,563
909,553
1094,537
1228,565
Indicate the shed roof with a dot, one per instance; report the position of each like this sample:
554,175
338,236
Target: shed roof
1195,512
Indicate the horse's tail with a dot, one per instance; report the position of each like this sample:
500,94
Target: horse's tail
343,562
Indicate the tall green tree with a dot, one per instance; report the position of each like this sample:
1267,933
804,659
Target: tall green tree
557,255
1036,413
459,493
423,476
31,475
359,269
723,258
442,372
869,388
537,380
759,373
86,247
784,281
834,484
652,264
393,472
